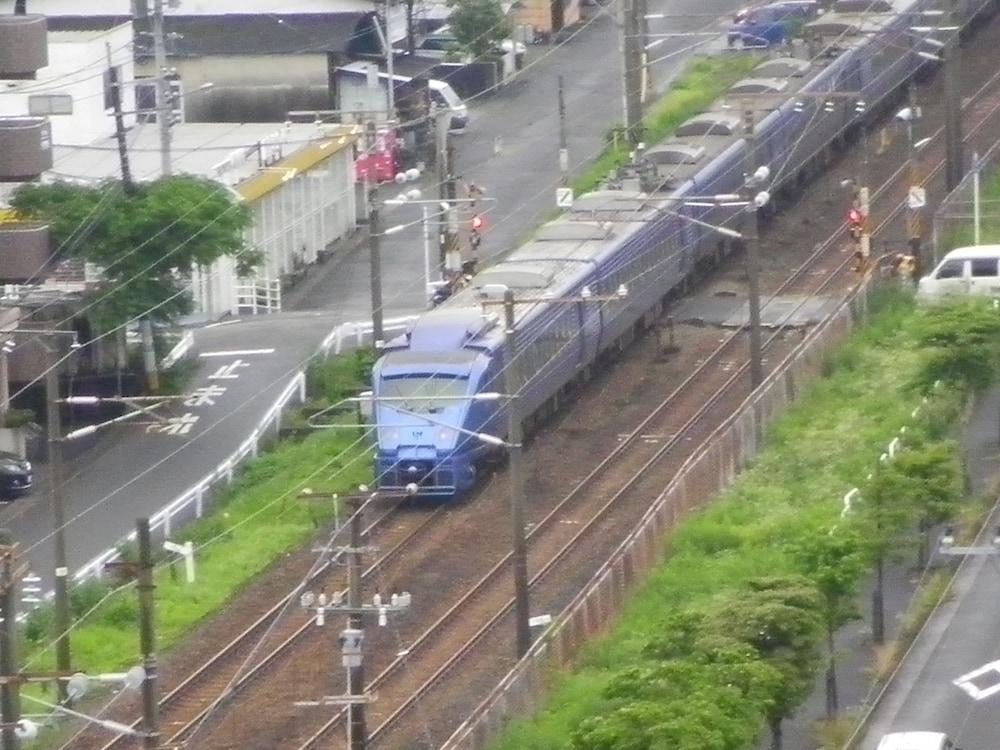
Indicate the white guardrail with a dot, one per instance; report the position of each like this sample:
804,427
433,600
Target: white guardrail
191,504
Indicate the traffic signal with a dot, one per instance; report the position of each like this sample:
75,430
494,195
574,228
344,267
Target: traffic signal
854,217
477,223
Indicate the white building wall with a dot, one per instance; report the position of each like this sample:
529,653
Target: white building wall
297,221
77,68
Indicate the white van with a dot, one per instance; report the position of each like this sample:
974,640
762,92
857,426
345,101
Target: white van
916,741
964,271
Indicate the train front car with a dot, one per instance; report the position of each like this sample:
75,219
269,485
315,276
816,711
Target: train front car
426,409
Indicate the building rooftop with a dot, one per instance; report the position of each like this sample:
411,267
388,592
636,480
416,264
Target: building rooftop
253,158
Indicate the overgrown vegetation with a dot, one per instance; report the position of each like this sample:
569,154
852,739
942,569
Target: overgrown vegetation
690,93
737,623
254,522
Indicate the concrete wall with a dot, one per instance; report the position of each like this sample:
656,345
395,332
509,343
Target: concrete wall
252,88
77,66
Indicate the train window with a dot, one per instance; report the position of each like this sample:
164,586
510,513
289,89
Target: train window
952,269
984,267
421,393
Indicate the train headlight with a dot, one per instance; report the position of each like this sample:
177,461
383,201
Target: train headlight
446,435
390,436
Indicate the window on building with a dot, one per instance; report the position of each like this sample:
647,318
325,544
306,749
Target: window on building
40,105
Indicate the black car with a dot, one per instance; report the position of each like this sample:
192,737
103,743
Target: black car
15,476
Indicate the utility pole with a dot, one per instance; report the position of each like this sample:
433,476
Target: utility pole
975,226
375,256
115,92
914,222
147,638
56,502
516,468
632,78
9,691
563,145
447,190
750,237
353,636
4,383
954,166
163,109
864,193
358,731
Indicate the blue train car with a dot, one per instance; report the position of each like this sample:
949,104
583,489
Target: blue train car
437,389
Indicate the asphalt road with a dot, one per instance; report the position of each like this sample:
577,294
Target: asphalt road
134,473
961,639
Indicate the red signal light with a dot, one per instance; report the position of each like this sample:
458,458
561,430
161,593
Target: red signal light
477,223
854,216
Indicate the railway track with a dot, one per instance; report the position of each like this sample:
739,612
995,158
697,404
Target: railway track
380,734
186,707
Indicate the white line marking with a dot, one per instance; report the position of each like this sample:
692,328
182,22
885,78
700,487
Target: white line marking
223,323
236,353
965,681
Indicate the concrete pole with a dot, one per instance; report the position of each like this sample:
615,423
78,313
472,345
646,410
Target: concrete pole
163,110
114,87
9,698
633,72
563,145
149,355
750,237
976,218
4,386
426,222
61,621
955,167
375,255
147,638
356,675
515,438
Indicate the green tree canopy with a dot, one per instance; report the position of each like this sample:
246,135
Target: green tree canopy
479,25
963,339
145,241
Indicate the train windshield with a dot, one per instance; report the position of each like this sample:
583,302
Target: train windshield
425,393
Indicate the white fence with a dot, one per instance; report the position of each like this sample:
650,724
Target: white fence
191,504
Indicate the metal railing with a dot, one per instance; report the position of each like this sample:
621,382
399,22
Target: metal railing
953,223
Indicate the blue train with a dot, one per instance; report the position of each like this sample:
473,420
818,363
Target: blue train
637,232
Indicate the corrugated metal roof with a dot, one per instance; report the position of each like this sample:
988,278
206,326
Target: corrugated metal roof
264,181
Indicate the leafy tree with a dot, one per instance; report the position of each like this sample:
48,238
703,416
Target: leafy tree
931,477
479,25
964,342
780,618
835,562
885,513
145,240
712,699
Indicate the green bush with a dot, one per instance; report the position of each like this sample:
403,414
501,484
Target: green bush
18,418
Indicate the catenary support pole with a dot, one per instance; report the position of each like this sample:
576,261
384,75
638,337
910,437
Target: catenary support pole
61,622
375,257
515,438
9,699
425,221
147,638
976,212
4,384
750,238
632,71
954,166
164,113
563,144
355,597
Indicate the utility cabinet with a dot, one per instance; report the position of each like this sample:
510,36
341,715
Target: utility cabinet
24,251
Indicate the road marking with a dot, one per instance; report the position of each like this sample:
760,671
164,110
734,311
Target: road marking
205,395
223,323
236,353
175,425
965,682
229,372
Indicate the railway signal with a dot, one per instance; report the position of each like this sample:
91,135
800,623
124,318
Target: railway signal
475,225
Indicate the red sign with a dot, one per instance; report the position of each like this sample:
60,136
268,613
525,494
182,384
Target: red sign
376,161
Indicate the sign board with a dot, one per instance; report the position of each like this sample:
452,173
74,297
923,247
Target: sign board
917,197
564,197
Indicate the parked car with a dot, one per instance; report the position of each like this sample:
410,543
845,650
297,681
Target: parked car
442,42
964,271
771,24
15,476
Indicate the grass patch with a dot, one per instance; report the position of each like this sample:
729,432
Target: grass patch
701,83
824,445
254,521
